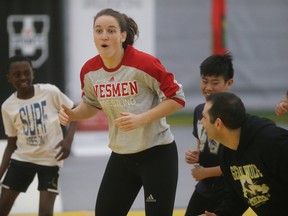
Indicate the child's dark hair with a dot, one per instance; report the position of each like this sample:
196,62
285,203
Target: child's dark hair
126,24
18,58
218,65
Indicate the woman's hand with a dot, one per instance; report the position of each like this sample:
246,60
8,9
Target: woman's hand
64,115
128,121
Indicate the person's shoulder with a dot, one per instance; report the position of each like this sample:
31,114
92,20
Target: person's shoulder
92,60
47,87
255,127
135,54
142,61
93,63
260,121
9,101
199,108
197,113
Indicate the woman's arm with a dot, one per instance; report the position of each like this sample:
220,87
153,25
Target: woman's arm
130,121
163,109
81,112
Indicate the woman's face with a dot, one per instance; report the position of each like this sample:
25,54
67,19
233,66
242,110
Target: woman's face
108,37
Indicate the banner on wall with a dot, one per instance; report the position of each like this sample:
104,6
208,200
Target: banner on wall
33,28
28,35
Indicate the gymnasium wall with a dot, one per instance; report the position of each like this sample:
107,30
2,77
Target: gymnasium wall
257,36
179,34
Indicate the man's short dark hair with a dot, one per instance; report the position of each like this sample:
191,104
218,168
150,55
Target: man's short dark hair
228,107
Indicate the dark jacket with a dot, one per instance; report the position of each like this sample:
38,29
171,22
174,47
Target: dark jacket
257,172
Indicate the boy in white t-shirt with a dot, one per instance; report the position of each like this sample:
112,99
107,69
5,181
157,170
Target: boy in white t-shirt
35,143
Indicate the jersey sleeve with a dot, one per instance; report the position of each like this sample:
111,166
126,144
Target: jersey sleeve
9,128
88,95
164,82
60,98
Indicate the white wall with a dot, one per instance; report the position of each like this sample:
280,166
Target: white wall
179,34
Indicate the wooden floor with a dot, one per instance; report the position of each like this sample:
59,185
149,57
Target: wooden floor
249,212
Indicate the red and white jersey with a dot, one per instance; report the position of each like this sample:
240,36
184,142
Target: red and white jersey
36,124
138,84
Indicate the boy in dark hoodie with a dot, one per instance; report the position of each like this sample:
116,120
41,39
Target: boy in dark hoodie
254,159
216,73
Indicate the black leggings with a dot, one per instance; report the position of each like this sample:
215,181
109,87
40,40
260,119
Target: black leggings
155,169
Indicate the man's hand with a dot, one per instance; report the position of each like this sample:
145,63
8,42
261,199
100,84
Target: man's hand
208,214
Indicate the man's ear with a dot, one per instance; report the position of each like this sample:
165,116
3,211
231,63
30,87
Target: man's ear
219,124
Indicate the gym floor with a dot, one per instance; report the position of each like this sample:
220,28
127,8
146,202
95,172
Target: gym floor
82,172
